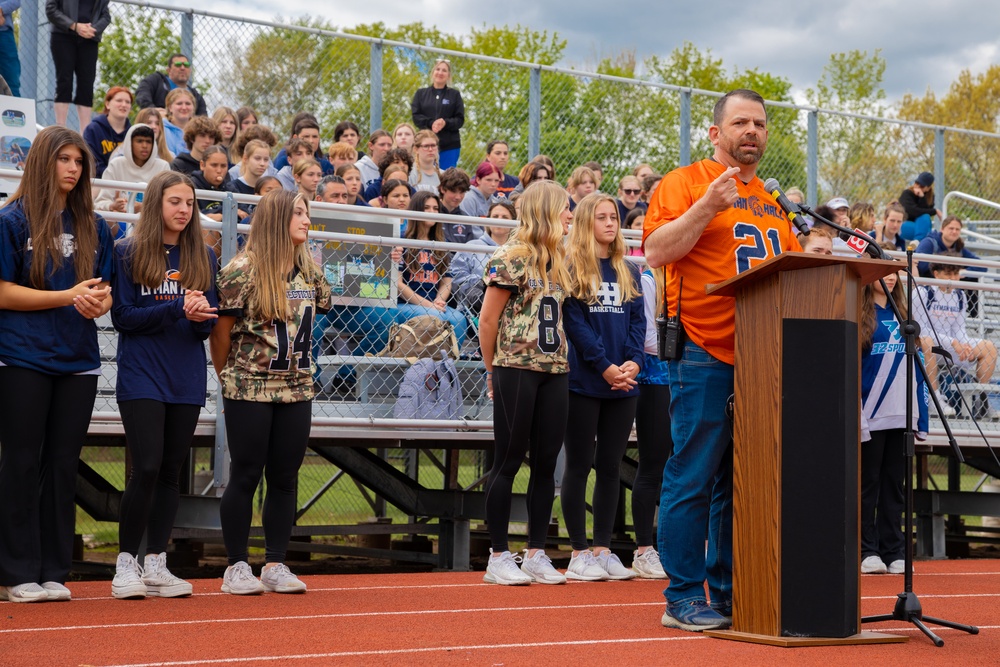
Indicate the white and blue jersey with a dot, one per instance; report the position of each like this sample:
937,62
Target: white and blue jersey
883,381
56,341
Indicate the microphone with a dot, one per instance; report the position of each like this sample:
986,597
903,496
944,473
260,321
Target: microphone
789,207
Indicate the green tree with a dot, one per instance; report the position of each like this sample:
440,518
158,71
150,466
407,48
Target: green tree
972,162
859,159
136,44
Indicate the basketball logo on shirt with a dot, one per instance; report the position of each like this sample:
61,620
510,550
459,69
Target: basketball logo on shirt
173,274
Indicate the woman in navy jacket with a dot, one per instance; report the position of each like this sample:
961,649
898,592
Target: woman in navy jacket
440,109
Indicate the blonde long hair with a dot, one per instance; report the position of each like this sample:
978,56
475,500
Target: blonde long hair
38,193
144,248
584,265
539,237
269,251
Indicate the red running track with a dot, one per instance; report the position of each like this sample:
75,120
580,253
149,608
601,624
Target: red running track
450,619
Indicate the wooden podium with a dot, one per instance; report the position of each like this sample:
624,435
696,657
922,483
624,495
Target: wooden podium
796,466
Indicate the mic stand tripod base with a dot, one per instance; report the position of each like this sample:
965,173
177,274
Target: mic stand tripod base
865,637
908,610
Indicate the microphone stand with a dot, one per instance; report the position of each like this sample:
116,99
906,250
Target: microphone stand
907,608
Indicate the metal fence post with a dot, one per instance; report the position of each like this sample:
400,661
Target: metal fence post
684,157
375,97
220,458
812,158
37,69
187,34
939,181
535,112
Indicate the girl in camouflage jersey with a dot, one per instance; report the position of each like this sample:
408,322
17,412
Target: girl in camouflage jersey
261,349
523,342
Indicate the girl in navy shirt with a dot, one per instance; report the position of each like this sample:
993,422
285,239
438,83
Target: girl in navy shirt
55,268
165,283
606,327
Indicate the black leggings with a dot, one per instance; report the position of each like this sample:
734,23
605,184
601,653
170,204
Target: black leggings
43,422
652,430
74,55
529,416
883,467
158,436
268,439
606,422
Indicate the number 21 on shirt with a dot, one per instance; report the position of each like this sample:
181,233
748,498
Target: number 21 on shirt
756,248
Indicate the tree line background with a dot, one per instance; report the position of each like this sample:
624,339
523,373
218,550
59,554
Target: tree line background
283,70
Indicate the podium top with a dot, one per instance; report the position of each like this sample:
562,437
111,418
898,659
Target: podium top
867,269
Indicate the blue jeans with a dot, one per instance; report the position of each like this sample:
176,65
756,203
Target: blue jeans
10,64
405,311
697,494
448,158
916,230
368,322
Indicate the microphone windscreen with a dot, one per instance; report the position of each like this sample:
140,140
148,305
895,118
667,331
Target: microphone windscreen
771,185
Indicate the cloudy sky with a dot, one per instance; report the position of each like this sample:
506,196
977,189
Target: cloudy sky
927,43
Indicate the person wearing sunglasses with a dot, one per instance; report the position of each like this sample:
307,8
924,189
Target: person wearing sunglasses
629,191
152,91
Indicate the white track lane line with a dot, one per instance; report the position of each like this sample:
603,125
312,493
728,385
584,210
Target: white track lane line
416,612
440,649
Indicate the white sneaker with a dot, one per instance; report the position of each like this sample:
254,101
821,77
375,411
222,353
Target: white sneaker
503,570
539,568
279,579
127,584
647,565
612,564
584,567
24,593
239,580
896,566
873,565
160,582
57,592
946,408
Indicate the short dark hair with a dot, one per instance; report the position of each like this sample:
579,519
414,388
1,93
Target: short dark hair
326,181
454,179
343,125
262,182
305,124
941,266
170,60
390,185
493,144
295,144
201,125
212,150
743,93
395,155
143,130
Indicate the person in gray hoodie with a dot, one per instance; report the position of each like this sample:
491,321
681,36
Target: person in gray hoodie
138,164
468,268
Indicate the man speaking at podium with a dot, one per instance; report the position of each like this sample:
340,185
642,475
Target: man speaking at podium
706,223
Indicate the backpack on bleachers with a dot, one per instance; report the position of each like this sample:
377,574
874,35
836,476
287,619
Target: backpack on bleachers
420,337
430,390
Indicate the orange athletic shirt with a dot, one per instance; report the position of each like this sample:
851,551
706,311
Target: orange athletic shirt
753,230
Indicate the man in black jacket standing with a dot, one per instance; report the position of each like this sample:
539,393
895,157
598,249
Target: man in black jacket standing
152,90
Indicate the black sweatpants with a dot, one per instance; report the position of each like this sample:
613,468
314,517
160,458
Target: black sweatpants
74,56
268,439
158,436
652,431
43,422
883,466
529,416
596,436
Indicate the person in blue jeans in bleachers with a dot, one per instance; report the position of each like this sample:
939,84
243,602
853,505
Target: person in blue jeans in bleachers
918,202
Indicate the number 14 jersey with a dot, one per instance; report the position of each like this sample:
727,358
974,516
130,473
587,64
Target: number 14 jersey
531,335
270,361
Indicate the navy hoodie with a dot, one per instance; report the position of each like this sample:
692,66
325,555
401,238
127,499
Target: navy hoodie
933,245
161,353
209,206
103,140
610,331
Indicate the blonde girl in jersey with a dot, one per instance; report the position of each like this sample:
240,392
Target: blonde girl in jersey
524,349
261,348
